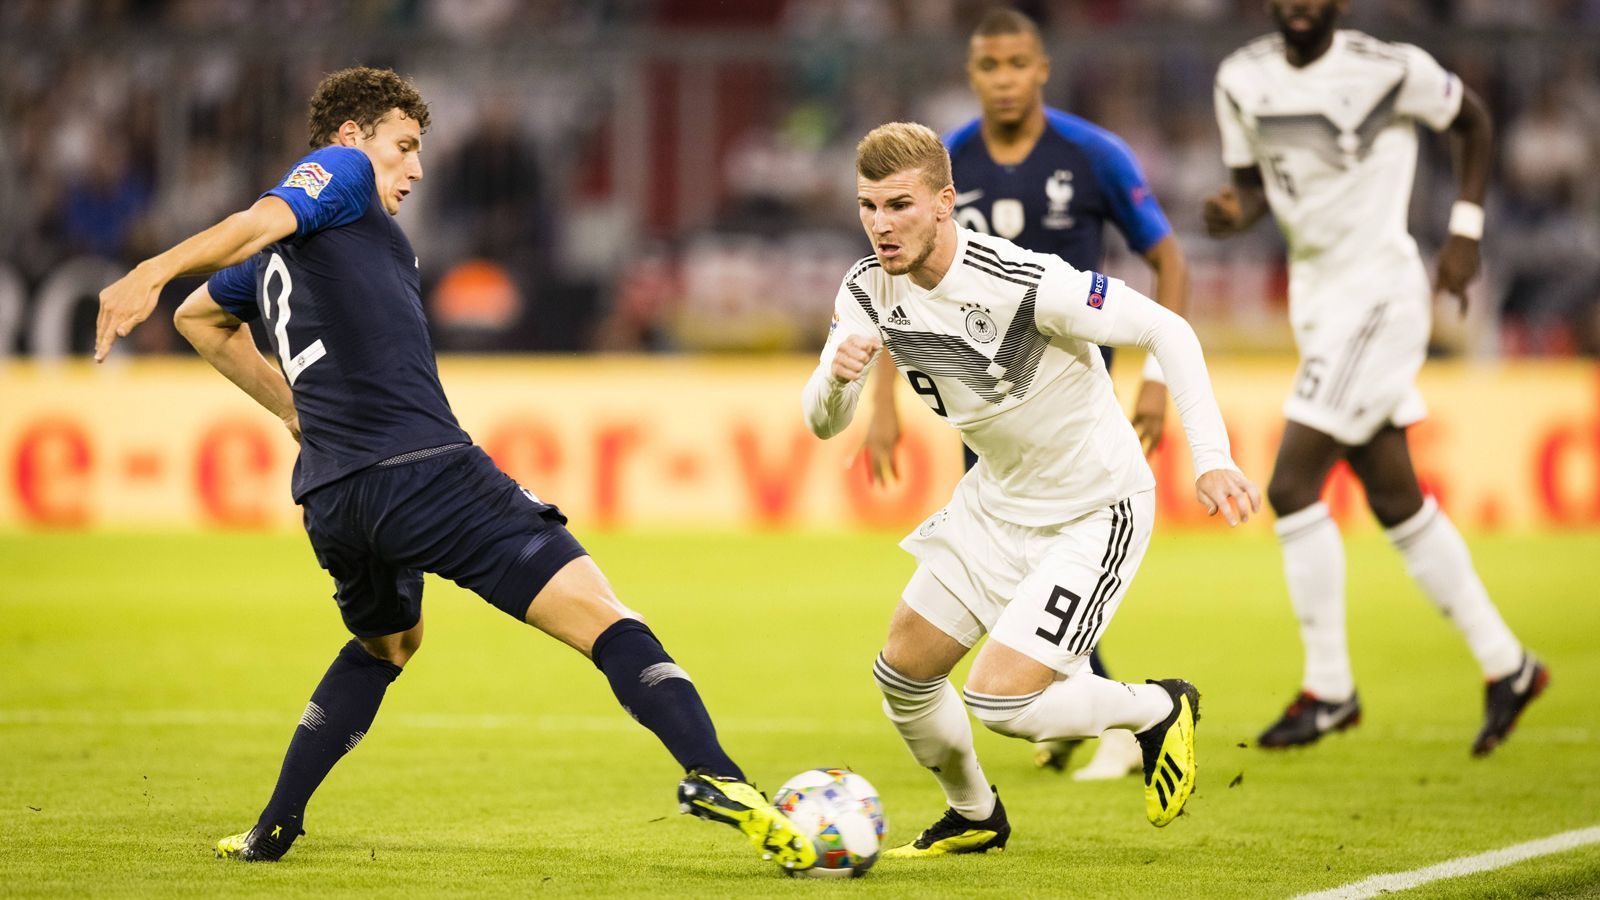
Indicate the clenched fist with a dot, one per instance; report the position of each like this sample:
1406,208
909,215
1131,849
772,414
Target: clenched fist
853,356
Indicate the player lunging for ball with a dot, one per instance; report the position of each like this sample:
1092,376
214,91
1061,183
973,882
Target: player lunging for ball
1319,125
1050,182
390,484
1042,536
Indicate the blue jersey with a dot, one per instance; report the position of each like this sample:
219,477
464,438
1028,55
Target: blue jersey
1078,177
341,298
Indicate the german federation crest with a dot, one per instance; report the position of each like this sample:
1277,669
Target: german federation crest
980,326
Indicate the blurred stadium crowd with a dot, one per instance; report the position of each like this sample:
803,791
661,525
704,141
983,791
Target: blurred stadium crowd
677,174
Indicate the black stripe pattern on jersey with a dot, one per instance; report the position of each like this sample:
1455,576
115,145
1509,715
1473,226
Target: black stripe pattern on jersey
1318,134
1377,119
987,261
862,266
1009,374
1117,543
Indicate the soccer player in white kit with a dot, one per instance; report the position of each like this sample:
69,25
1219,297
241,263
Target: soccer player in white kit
1042,536
1319,124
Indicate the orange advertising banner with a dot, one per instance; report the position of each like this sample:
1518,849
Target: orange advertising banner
719,443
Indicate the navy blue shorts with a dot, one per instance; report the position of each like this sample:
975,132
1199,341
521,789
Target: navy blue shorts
455,515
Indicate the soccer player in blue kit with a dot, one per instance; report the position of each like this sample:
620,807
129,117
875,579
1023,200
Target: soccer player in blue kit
391,486
1050,182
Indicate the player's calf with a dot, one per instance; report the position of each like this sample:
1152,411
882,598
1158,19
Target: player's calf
659,695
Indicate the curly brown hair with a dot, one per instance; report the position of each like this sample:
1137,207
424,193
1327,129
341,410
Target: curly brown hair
363,95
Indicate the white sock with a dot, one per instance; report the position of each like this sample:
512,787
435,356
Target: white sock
1079,706
933,723
1438,559
1313,566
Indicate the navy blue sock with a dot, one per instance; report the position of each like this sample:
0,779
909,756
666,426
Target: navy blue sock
659,695
340,712
1096,664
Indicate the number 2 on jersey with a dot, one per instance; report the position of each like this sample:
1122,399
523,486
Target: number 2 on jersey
293,364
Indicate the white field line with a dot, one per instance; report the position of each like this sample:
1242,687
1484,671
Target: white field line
617,721
1463,865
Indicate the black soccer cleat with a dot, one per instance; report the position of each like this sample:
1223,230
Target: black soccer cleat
955,833
1504,699
1168,753
258,844
1307,719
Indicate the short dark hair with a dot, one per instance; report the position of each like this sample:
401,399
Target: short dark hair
363,95
1007,21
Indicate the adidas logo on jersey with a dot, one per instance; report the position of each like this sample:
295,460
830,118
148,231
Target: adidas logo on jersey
897,316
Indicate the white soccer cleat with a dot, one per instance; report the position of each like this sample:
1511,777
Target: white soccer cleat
1118,756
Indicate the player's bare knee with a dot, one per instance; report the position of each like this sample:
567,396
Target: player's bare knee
1391,507
396,649
1288,494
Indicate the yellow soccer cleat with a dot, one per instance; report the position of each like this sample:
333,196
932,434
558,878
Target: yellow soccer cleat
955,833
257,845
739,804
1168,747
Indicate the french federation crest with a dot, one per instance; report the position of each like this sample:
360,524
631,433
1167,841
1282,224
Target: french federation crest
1058,190
980,326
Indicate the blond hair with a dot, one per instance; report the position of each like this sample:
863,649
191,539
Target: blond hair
899,146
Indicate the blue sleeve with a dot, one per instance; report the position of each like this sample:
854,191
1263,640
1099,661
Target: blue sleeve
955,140
1133,205
326,189
234,289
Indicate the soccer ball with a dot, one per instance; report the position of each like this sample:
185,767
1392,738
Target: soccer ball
841,813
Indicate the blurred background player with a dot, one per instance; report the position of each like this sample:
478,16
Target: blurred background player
1040,540
1319,125
390,485
1049,182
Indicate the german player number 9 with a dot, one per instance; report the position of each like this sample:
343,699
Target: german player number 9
292,365
922,384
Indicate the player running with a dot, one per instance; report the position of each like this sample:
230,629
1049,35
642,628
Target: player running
390,485
1050,182
1319,124
1042,536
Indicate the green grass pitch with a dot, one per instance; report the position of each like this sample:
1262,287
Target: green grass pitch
148,684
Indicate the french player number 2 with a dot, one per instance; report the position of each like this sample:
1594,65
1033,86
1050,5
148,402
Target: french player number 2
293,364
922,384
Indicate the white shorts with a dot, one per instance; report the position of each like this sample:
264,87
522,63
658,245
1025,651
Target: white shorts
1358,374
1047,592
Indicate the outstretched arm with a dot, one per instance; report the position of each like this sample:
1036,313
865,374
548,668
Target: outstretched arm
1172,292
1471,149
130,299
1091,307
223,342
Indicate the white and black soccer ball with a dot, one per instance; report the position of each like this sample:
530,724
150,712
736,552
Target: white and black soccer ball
841,813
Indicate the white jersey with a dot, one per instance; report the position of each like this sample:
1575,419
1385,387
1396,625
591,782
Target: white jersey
1337,146
1003,348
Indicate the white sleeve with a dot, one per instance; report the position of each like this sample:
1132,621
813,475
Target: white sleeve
830,405
1091,307
1431,94
1237,151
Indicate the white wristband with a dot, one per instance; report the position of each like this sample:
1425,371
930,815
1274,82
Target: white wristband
1466,220
1152,369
